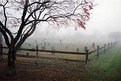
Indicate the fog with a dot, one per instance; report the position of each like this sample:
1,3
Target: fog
105,20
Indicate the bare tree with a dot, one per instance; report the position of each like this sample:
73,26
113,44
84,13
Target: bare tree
19,19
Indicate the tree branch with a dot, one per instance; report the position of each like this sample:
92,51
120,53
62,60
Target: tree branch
8,31
5,36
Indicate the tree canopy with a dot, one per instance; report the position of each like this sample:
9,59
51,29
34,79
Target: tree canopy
19,19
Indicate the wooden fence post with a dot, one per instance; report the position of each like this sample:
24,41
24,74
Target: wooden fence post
36,54
97,52
53,49
86,50
77,49
104,48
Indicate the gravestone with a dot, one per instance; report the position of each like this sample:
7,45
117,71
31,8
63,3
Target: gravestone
66,47
77,49
45,43
43,47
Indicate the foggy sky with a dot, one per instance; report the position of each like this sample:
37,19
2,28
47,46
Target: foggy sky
105,19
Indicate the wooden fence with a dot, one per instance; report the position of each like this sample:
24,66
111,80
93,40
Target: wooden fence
98,51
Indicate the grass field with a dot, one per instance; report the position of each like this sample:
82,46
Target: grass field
107,68
58,47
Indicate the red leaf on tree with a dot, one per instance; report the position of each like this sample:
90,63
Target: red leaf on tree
81,24
85,10
82,16
87,17
90,7
84,23
87,13
54,19
85,1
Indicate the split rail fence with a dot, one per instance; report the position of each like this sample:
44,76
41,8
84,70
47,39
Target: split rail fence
98,51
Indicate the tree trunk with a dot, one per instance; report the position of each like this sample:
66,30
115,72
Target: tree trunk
11,62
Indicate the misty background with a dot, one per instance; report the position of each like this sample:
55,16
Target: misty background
105,20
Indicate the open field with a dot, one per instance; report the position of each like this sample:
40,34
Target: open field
107,68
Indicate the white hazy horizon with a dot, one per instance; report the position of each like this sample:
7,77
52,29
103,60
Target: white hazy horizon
105,19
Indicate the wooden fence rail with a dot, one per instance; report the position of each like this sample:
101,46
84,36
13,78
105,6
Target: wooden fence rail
86,53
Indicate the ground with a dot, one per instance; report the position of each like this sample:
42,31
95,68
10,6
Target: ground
106,68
